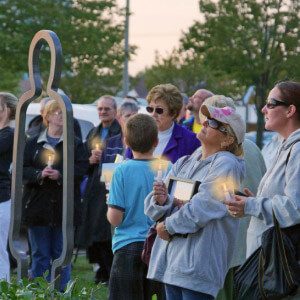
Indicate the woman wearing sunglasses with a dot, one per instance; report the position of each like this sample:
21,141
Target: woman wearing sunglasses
164,105
192,252
279,189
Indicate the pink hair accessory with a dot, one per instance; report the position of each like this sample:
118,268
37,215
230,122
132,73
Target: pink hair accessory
221,112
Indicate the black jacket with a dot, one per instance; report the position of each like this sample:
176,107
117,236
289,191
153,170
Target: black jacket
6,150
95,227
43,205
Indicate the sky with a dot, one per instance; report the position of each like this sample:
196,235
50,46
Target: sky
157,25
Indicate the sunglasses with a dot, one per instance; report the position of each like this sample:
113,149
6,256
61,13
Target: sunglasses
158,110
272,103
212,123
58,113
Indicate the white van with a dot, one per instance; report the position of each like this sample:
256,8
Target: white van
86,115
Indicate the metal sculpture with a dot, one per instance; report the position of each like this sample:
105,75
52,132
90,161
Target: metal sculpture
19,244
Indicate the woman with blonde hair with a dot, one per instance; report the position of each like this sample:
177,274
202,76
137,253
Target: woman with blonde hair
43,177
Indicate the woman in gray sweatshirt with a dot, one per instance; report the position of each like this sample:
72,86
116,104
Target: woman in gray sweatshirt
279,189
194,246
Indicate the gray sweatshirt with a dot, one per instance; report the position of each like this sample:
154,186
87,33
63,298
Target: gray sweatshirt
201,260
279,190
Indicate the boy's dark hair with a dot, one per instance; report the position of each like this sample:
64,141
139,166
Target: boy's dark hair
141,133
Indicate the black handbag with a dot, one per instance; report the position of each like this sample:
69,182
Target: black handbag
273,271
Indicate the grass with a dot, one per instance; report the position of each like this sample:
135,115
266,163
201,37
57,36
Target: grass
83,274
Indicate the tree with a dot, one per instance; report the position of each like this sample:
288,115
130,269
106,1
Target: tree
253,41
91,33
188,73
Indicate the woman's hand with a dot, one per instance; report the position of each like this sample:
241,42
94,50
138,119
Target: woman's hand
160,193
236,207
51,173
178,203
162,232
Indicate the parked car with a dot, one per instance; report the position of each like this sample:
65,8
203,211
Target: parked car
86,115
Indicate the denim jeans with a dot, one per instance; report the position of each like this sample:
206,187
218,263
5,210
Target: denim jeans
46,245
4,228
178,293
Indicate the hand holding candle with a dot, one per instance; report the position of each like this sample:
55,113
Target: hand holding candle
96,153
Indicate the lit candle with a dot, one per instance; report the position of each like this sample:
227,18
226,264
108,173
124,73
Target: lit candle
50,160
159,176
226,193
97,146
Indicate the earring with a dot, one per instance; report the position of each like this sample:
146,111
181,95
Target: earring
223,145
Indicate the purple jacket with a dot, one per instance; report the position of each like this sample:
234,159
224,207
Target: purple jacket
182,142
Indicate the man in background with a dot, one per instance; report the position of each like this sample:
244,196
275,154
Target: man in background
95,232
194,104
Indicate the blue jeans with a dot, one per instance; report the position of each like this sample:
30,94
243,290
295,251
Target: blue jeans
178,293
46,245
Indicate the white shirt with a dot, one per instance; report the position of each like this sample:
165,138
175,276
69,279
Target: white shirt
163,140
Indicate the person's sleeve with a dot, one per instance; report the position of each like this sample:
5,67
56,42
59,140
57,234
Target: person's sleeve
6,141
30,173
205,206
116,198
151,208
286,207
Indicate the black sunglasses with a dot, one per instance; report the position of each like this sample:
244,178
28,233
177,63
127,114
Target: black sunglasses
158,110
213,123
271,103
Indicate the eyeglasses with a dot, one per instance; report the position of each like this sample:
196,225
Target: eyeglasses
212,123
272,103
104,108
57,113
158,110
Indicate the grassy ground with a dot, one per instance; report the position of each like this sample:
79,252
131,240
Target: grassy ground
82,272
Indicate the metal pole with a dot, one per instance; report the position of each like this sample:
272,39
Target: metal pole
126,52
17,243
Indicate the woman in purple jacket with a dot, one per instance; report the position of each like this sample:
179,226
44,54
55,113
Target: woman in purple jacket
165,103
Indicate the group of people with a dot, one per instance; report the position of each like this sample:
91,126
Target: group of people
199,242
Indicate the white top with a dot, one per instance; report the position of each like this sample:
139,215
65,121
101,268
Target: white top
163,140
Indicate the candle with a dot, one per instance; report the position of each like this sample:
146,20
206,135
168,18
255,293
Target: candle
97,146
50,160
159,176
226,193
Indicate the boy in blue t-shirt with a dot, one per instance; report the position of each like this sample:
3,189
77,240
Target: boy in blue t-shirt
131,183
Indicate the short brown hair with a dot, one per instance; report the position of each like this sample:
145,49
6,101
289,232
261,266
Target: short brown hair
169,94
50,107
290,93
10,101
141,133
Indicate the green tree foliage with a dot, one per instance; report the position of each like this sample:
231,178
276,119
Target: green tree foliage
188,73
236,44
91,33
253,41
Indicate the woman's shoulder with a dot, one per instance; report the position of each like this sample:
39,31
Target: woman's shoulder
227,158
